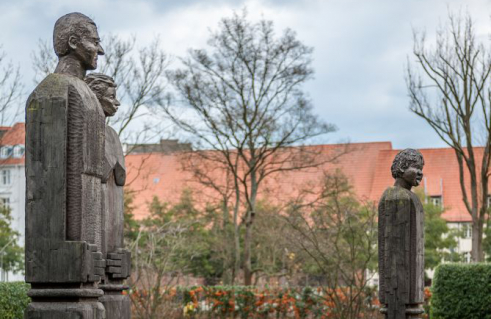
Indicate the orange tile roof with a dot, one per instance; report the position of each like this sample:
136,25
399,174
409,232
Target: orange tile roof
14,135
367,165
441,176
155,174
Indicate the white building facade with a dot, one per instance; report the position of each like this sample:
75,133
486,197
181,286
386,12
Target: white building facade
13,187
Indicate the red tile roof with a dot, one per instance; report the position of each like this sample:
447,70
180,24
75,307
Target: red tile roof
441,176
367,165
160,175
14,135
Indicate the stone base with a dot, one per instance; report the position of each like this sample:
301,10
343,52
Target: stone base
412,312
117,306
65,304
65,310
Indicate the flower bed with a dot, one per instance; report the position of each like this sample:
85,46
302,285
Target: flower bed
251,302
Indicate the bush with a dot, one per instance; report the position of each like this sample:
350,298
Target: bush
244,302
13,299
461,291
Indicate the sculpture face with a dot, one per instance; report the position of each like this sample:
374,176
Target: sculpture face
413,174
109,102
88,48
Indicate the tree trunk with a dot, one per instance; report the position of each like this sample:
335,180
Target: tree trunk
477,249
248,235
236,232
247,252
226,213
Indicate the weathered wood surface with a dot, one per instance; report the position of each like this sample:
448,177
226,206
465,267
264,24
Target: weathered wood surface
117,258
401,252
64,152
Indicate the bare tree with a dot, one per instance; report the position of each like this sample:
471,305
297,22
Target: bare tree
11,90
139,74
450,89
245,103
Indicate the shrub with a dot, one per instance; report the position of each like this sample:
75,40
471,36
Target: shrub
13,299
461,291
244,302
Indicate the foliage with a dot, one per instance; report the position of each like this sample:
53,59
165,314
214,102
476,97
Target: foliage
175,239
440,240
131,226
13,299
272,254
461,291
427,303
198,254
338,234
250,302
156,246
11,254
487,241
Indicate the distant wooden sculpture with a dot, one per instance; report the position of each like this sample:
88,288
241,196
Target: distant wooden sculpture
401,240
118,259
65,132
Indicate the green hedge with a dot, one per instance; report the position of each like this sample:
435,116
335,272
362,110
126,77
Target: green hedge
13,299
461,291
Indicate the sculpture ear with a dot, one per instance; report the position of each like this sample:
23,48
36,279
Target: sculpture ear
72,42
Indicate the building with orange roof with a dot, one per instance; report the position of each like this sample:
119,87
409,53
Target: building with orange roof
367,166
161,174
13,181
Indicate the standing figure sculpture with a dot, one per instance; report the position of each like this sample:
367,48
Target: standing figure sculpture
118,259
65,132
401,240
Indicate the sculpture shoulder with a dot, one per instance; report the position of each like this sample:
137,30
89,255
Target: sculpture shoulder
54,86
395,193
114,158
113,145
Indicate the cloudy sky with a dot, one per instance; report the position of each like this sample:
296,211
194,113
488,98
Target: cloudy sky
360,47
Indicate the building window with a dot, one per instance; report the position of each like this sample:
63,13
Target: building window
5,202
467,257
5,151
467,230
18,151
436,200
5,177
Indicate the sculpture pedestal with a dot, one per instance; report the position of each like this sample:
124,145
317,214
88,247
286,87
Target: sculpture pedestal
412,312
117,305
63,303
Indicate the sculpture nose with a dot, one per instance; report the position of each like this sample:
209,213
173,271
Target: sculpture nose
100,50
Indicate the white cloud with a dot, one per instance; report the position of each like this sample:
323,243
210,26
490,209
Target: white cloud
360,47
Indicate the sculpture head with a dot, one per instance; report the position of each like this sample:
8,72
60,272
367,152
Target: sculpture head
76,35
105,89
407,168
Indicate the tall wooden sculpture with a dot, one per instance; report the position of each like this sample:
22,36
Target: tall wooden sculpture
401,240
117,258
65,133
